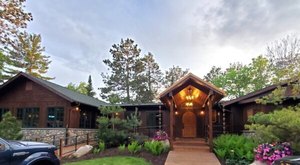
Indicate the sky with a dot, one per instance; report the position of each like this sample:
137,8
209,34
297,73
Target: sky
193,34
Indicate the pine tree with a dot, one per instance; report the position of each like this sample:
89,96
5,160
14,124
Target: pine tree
10,128
173,74
26,54
151,81
89,87
125,70
3,68
13,19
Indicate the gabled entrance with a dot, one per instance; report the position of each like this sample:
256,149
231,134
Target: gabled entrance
190,101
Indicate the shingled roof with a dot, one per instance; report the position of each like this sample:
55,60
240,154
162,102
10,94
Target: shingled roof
64,92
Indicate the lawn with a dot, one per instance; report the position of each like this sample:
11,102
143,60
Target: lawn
117,160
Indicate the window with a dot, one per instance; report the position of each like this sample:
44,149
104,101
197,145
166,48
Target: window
2,112
29,117
154,120
85,119
55,117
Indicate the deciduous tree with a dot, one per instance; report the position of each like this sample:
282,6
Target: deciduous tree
81,88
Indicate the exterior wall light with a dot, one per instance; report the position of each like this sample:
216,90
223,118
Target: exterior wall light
202,112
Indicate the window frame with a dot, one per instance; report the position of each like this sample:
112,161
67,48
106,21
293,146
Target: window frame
26,123
57,123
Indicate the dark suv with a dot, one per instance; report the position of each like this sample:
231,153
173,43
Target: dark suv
27,153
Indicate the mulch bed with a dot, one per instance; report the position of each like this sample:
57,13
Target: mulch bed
155,160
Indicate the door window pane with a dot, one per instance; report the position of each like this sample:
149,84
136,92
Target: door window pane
55,117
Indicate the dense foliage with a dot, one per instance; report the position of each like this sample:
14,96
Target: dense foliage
155,147
239,79
20,51
83,87
10,128
99,148
234,149
122,148
134,147
268,153
26,54
279,126
133,77
113,130
173,74
13,19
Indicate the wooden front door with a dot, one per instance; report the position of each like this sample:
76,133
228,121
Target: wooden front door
189,124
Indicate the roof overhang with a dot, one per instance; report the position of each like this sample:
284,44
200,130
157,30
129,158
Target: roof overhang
195,81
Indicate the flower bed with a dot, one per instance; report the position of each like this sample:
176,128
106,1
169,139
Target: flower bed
268,153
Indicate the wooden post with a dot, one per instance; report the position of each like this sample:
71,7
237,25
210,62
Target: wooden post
171,123
76,143
210,124
87,139
60,147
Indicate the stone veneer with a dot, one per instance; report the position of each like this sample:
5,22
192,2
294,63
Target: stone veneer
53,135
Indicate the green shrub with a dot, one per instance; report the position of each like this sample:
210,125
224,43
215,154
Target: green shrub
113,138
139,138
134,147
234,148
122,148
100,148
154,147
10,128
278,126
235,162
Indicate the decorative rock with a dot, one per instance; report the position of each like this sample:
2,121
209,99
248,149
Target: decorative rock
82,151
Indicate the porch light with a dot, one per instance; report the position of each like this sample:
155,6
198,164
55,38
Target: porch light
176,113
77,108
117,114
189,97
189,104
201,112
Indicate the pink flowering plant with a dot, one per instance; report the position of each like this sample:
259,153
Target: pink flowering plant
160,135
268,153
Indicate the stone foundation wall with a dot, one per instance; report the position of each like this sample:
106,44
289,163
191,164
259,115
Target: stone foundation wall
53,135
81,135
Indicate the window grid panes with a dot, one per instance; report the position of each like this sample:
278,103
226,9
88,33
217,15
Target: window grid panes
55,117
28,116
85,119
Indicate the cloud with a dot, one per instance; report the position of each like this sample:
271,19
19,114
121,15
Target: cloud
194,34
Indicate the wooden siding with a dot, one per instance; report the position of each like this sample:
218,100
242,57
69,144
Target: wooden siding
24,93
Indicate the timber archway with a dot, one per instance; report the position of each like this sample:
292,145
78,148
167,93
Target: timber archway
191,103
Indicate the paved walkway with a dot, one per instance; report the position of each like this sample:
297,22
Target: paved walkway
191,153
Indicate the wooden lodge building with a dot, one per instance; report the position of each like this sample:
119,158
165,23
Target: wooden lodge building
190,108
